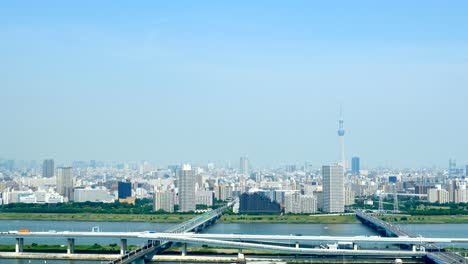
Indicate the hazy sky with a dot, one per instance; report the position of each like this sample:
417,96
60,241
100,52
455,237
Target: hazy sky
173,81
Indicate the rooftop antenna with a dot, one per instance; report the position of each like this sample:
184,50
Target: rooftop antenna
341,133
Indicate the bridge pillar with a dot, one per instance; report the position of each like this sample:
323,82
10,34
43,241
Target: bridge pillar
123,246
297,244
355,247
240,255
184,249
70,245
413,248
19,244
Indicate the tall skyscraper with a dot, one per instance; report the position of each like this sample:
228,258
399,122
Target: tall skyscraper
452,170
333,189
355,166
48,168
244,166
341,133
451,190
466,171
186,186
124,189
65,182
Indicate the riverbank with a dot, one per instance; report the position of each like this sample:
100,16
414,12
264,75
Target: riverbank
209,258
285,219
427,219
205,254
160,218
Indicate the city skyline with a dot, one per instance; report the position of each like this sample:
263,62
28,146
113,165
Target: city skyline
85,81
228,164
131,127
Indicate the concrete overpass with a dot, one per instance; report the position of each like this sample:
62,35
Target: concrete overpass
146,252
245,241
292,244
435,254
233,237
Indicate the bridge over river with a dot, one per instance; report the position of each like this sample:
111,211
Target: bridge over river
187,233
435,253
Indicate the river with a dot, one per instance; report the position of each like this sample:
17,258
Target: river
426,230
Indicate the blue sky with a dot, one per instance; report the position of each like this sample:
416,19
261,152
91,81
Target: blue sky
196,81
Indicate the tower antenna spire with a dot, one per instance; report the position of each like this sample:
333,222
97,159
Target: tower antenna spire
341,112
341,133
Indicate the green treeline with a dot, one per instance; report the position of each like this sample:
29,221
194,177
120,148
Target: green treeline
425,208
414,206
142,206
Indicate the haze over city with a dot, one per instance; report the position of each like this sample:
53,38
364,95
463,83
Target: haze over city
206,81
247,132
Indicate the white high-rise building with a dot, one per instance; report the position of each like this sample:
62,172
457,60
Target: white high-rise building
308,204
461,193
65,182
300,204
164,201
292,203
92,195
438,195
349,195
204,197
223,192
333,189
186,187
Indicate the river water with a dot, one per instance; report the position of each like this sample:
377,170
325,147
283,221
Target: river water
426,230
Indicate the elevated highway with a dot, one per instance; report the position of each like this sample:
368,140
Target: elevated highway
186,233
150,235
256,242
146,252
436,254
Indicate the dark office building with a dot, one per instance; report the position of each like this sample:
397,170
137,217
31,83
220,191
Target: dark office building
466,171
125,190
355,167
422,188
48,168
392,179
257,203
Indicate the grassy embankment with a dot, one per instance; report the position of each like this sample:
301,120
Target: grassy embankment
177,218
289,219
162,218
427,219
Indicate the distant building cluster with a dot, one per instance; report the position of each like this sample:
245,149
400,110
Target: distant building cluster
291,188
455,191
